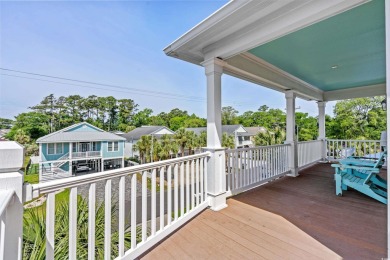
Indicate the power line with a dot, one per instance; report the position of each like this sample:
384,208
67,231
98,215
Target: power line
146,92
101,84
122,91
143,92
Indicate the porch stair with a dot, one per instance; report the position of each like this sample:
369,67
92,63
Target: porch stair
59,164
55,174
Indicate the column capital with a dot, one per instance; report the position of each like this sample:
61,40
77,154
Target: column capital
213,65
290,94
321,103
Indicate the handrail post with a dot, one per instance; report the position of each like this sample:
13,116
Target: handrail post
11,178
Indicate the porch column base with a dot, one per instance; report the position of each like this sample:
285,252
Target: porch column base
216,178
217,201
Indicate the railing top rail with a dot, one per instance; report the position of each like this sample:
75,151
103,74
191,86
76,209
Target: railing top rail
257,147
348,140
5,198
54,185
311,141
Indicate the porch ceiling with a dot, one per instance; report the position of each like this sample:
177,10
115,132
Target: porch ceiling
294,44
344,51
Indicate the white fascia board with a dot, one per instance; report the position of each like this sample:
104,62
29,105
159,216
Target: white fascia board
286,22
357,92
251,68
204,25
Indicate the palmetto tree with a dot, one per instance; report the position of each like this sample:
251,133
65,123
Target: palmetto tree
192,141
270,138
228,140
34,240
166,147
181,139
143,146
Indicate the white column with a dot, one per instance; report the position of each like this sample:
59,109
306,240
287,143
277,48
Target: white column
321,127
102,166
11,179
387,33
70,150
216,177
290,132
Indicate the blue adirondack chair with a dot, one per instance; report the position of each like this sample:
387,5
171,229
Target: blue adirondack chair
361,174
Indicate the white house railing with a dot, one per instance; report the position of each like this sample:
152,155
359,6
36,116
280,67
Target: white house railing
5,199
250,167
88,154
309,152
339,149
177,189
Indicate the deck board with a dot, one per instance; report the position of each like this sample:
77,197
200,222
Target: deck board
290,218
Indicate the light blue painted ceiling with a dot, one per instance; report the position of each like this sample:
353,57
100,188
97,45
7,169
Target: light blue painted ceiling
343,51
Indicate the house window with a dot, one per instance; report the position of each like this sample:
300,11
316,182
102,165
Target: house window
94,146
113,146
74,147
51,149
55,148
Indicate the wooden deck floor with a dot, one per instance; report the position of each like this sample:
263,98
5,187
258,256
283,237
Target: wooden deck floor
291,218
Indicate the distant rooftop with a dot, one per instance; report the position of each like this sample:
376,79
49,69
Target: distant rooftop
147,130
67,135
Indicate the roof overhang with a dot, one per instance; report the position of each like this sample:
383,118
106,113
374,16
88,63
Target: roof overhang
239,26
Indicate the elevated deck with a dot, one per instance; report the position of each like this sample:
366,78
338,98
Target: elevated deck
294,218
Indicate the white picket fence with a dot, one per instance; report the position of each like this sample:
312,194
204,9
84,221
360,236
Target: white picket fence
181,195
250,167
309,152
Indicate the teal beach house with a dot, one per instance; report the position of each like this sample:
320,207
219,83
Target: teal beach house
79,149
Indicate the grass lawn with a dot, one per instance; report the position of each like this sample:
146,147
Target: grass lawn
31,178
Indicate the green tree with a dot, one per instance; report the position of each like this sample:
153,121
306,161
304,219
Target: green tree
228,141
229,116
34,124
143,146
6,123
34,233
181,138
142,117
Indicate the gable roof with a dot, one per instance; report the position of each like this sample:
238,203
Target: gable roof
229,129
145,130
66,135
255,129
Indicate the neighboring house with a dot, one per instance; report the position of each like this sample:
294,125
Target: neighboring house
3,132
133,136
242,137
253,131
79,148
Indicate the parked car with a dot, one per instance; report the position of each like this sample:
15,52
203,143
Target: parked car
82,168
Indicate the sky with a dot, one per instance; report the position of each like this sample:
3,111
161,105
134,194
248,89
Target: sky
115,43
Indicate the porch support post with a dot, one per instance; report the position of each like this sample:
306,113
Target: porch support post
216,176
387,33
290,133
321,127
11,179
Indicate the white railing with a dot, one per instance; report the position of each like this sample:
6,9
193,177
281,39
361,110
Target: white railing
62,160
177,193
339,149
309,152
5,199
88,154
250,167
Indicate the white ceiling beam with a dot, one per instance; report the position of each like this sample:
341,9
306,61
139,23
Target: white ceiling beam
356,92
249,67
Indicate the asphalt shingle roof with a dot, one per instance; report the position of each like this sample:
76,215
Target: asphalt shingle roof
144,130
79,136
229,129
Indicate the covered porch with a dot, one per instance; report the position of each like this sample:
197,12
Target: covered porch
270,188
297,218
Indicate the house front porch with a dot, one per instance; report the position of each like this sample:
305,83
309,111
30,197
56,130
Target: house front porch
295,218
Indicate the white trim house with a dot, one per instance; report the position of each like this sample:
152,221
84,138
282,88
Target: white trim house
80,147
